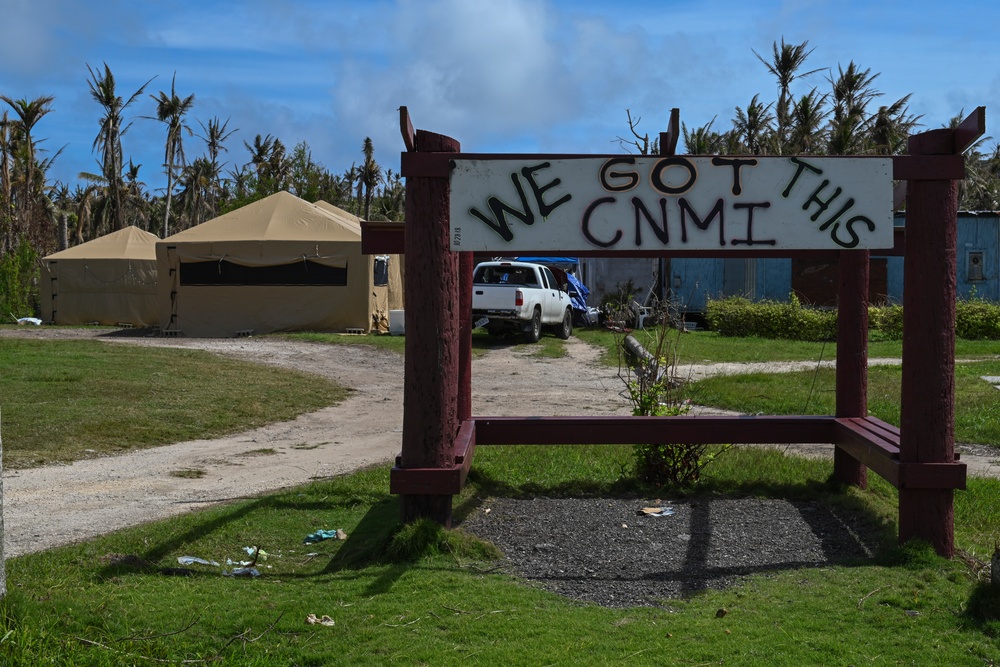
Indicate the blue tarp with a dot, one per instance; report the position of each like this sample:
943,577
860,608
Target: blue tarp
578,292
564,263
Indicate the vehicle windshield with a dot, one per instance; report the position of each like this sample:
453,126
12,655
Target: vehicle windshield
505,275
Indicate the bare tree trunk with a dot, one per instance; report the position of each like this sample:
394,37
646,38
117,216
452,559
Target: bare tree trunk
63,231
166,216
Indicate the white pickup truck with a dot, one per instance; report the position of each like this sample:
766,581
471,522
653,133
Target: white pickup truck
520,297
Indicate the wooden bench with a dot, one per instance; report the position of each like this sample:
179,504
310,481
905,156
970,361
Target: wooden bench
868,440
875,443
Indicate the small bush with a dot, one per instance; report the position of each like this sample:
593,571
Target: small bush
617,305
648,372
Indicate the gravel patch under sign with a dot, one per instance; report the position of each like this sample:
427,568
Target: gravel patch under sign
604,550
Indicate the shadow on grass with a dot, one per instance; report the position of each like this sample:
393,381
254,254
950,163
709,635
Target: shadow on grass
983,608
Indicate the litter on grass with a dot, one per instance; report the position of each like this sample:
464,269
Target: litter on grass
194,560
321,535
247,572
311,619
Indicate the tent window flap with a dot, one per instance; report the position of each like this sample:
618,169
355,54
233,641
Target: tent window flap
229,273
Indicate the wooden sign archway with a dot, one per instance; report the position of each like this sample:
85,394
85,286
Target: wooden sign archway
440,434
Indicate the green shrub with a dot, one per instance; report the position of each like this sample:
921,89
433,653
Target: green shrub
19,282
740,317
975,319
885,321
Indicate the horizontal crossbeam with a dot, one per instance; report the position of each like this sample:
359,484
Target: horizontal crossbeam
868,440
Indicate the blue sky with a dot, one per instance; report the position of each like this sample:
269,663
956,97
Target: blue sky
547,76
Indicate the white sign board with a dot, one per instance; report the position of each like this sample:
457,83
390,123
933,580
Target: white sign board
671,203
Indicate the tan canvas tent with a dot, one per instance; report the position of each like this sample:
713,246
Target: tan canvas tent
110,280
278,264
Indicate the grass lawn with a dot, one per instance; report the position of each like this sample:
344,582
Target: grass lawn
442,601
419,595
64,400
702,347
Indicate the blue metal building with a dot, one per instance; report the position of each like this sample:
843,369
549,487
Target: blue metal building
692,281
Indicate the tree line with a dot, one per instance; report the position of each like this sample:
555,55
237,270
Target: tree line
39,216
842,116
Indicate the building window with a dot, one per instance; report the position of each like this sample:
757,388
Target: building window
381,277
229,273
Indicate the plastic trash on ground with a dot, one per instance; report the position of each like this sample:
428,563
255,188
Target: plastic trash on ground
311,619
321,535
29,320
657,511
243,572
194,560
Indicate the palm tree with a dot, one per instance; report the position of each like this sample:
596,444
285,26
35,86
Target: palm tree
27,175
753,125
215,134
171,109
785,63
346,184
84,198
240,178
807,133
371,175
979,191
891,127
196,183
6,184
852,91
278,169
702,140
135,200
60,206
108,141
260,152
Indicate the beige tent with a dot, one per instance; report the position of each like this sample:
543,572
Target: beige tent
278,264
110,280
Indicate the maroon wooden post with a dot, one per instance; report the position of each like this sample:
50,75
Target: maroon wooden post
852,356
927,410
465,268
431,381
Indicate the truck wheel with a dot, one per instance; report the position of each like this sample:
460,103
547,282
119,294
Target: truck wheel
566,330
534,330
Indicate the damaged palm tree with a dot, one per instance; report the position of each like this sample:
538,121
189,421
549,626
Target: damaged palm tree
647,364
